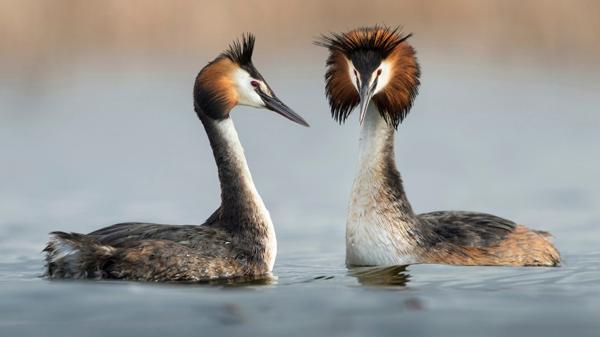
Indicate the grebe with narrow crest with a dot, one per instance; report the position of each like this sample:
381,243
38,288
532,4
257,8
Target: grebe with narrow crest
375,69
237,240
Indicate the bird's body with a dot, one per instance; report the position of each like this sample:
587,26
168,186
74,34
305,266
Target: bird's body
382,229
154,253
237,240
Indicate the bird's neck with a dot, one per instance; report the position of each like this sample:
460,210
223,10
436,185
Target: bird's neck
378,182
241,205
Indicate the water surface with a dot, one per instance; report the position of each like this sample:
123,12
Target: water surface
98,145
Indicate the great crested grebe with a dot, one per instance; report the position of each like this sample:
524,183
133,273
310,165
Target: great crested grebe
375,69
237,240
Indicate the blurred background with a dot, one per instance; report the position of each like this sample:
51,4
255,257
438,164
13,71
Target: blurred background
97,125
41,36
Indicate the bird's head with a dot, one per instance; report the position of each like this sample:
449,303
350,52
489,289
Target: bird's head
370,64
231,79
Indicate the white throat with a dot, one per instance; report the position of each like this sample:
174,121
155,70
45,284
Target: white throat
229,134
374,135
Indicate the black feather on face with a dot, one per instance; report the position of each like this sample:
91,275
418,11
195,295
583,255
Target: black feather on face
366,48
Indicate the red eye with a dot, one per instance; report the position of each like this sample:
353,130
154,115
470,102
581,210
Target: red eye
378,72
255,84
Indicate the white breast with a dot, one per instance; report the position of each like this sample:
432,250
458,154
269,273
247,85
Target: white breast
372,237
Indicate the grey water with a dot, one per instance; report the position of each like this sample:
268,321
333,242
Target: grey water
96,145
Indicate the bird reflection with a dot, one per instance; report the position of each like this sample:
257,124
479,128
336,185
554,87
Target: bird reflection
381,276
246,281
260,280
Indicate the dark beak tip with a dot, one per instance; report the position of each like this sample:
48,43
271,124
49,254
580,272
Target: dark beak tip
275,104
301,120
298,120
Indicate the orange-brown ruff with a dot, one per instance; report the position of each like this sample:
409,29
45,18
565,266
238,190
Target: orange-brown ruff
238,239
382,229
395,100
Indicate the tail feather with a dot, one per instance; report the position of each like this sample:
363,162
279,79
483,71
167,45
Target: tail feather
545,252
74,255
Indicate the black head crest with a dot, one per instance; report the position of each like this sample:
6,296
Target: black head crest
240,52
381,39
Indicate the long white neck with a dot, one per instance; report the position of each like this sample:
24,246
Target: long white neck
380,218
242,209
376,140
237,187
378,179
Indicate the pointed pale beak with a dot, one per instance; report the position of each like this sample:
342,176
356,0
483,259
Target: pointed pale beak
275,104
366,93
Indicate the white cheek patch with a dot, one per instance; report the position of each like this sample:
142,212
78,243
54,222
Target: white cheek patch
353,77
247,94
264,88
382,82
384,77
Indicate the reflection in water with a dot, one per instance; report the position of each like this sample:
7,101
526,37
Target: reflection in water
260,280
381,276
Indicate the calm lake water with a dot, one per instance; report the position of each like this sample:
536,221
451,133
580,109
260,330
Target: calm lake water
96,145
